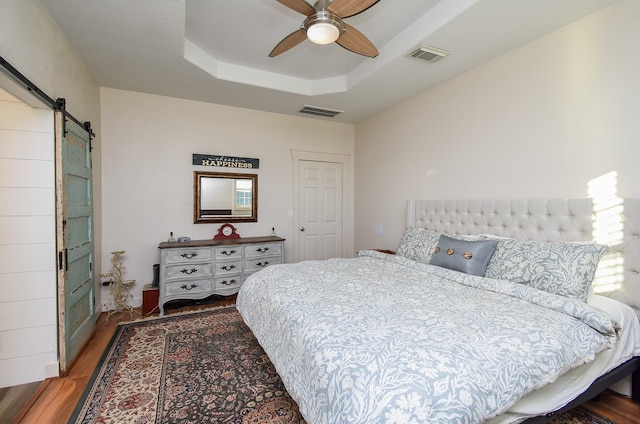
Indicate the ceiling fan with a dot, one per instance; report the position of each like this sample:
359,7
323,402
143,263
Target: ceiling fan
324,25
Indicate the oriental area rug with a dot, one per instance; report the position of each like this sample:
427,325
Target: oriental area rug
200,367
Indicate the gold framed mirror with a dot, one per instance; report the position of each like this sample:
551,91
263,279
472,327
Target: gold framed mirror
224,197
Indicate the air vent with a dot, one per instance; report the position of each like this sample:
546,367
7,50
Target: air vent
319,111
428,54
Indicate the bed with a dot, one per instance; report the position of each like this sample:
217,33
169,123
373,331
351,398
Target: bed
447,330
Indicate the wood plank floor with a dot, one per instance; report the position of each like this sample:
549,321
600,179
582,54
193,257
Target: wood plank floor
55,399
617,408
12,400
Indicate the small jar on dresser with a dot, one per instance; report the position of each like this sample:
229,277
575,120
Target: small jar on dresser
199,268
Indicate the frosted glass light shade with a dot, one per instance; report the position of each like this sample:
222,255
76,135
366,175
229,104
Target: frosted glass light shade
323,33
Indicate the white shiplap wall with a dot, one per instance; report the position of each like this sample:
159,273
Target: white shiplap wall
28,329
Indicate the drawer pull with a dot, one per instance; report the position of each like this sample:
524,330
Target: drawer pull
189,255
189,271
263,264
262,250
228,252
227,267
227,283
184,286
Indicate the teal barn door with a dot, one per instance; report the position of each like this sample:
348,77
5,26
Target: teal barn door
76,322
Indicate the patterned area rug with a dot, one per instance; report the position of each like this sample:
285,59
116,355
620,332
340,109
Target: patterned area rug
580,415
203,367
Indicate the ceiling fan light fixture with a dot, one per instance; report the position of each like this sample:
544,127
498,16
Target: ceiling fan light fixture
323,33
323,27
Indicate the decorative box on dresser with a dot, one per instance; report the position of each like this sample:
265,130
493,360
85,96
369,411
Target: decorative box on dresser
200,268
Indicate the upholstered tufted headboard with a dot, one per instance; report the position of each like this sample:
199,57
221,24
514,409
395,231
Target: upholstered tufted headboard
615,223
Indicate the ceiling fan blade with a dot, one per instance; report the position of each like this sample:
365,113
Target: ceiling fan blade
288,42
347,8
353,40
299,6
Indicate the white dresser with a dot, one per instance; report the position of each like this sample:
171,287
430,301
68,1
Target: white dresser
200,268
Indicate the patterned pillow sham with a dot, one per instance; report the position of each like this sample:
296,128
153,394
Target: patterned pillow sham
418,244
470,257
565,269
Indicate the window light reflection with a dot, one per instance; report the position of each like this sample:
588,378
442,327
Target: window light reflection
608,229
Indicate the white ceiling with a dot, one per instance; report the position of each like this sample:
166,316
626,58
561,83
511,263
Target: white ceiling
217,50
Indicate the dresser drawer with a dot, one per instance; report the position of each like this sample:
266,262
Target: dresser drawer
228,283
188,271
228,252
187,288
256,264
227,267
256,250
187,255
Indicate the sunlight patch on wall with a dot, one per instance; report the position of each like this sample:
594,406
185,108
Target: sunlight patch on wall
608,229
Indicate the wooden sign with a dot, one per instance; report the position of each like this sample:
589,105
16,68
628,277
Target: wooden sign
225,161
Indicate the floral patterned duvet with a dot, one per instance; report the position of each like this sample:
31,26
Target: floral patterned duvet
384,339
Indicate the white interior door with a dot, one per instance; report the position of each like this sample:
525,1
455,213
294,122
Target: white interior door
320,226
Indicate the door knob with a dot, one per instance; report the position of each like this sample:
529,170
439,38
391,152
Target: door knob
301,228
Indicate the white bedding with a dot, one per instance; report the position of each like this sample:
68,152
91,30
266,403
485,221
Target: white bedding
341,365
571,384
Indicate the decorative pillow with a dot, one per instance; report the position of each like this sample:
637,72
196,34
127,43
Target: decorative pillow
566,269
470,257
417,244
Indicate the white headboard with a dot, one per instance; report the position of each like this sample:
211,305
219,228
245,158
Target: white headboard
549,220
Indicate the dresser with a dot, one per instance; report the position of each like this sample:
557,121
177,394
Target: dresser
200,268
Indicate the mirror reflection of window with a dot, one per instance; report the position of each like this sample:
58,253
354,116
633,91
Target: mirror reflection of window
243,194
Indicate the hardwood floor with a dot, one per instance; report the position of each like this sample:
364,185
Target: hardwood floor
55,399
616,408
12,399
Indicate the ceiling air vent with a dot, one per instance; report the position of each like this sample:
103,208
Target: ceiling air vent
319,111
428,54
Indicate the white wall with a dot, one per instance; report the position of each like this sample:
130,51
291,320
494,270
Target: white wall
31,42
540,121
147,170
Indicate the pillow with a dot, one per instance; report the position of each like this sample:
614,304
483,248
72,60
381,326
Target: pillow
470,257
566,269
417,244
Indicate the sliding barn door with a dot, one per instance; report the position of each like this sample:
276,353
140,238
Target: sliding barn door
74,237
